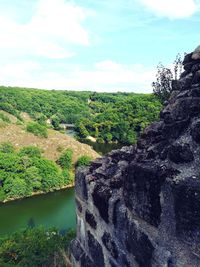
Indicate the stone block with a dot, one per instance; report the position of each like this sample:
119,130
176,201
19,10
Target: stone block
90,219
85,261
80,183
187,208
110,245
142,191
195,131
139,245
78,205
76,249
180,153
95,251
101,195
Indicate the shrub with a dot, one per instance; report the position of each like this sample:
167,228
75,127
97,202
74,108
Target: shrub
30,151
4,117
68,177
7,147
65,160
34,247
60,148
162,87
83,161
37,129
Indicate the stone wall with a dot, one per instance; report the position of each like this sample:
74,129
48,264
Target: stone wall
140,206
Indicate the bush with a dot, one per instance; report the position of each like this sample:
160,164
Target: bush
65,160
34,247
37,129
30,151
83,161
162,87
68,177
4,117
7,147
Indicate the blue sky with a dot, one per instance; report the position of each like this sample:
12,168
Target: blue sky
99,45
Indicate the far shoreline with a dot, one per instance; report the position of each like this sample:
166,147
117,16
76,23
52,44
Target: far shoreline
37,194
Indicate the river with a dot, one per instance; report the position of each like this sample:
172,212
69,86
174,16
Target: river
55,209
101,148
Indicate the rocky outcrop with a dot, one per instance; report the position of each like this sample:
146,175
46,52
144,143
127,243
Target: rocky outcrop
140,206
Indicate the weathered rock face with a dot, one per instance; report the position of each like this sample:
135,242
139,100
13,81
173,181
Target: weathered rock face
140,206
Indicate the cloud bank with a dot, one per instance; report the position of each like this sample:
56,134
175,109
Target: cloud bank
53,29
173,9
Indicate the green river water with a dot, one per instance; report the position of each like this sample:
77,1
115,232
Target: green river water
55,209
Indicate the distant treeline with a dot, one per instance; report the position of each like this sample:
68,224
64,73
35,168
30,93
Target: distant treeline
109,117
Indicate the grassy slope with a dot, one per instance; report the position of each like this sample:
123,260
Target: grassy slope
19,137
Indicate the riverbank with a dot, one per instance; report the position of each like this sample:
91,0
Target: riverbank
38,193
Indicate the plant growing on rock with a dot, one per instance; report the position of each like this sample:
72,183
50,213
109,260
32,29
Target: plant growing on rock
162,87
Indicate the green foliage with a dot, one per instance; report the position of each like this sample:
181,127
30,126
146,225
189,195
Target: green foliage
7,147
16,187
68,177
2,195
55,121
109,117
83,161
37,129
65,160
51,175
30,151
26,172
118,117
4,118
40,118
162,87
34,247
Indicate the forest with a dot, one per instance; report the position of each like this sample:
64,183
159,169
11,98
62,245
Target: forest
26,172
108,117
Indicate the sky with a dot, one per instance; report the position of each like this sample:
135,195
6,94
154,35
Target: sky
98,45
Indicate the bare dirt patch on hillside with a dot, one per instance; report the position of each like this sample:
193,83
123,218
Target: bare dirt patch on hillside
19,137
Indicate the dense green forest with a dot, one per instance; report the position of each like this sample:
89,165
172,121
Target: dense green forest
26,172
108,117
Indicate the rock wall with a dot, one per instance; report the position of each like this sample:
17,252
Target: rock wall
140,206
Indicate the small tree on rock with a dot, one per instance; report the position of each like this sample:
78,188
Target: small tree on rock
162,87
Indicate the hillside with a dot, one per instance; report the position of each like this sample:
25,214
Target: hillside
19,137
107,117
32,164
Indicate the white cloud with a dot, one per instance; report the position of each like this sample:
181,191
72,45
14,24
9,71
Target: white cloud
55,26
103,76
173,9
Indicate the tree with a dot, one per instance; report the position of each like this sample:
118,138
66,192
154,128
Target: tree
55,121
65,160
162,87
